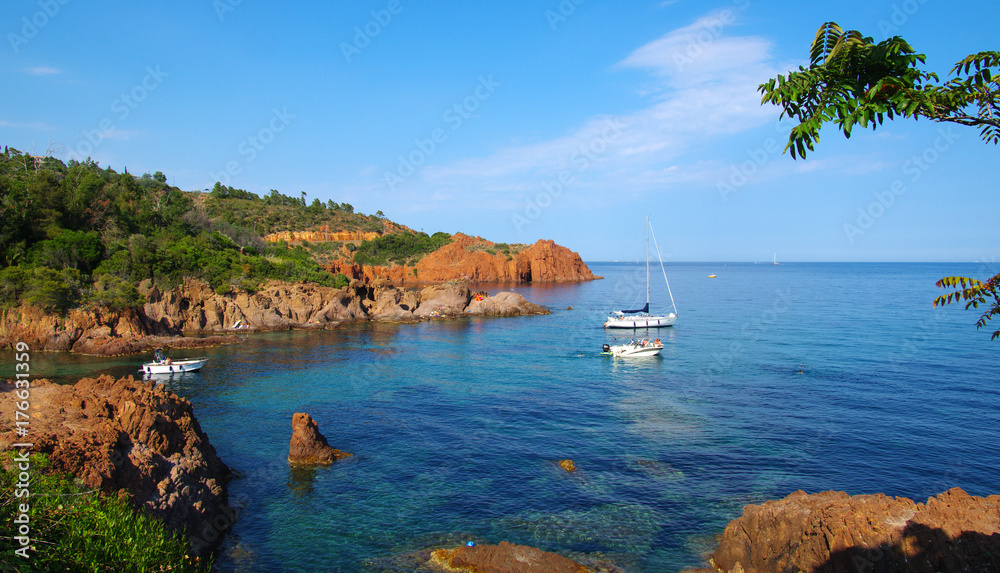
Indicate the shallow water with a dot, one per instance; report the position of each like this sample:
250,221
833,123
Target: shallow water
457,425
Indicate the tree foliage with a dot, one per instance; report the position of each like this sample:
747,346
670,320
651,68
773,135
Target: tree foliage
852,81
974,293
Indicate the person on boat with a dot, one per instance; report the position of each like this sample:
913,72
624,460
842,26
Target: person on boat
658,343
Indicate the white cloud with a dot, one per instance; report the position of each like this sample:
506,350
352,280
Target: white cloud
702,87
42,71
37,125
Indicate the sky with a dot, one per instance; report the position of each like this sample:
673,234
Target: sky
569,120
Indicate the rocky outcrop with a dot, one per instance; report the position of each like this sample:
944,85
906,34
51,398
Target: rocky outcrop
93,331
475,259
133,436
503,558
834,532
505,304
308,446
194,307
447,299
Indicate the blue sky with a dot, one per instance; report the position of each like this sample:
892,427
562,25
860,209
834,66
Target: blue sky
567,120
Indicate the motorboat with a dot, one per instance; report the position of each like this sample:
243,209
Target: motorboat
634,348
163,365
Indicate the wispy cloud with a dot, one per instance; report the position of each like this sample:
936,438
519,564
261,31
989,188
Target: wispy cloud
37,125
42,71
701,86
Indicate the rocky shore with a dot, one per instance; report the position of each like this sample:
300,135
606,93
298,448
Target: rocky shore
133,437
833,532
195,308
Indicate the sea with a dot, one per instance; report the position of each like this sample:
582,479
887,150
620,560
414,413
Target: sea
775,378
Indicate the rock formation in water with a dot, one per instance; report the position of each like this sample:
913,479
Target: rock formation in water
503,558
133,436
837,533
477,260
308,446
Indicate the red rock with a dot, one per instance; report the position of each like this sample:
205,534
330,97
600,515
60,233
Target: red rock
308,446
467,258
834,532
504,558
132,436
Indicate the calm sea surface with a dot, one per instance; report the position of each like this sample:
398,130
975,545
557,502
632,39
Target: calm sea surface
775,378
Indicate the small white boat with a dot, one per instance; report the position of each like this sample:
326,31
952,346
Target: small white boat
164,365
640,317
635,348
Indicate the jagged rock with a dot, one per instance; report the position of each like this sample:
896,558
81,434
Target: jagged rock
308,446
448,298
133,436
477,260
833,532
503,558
505,304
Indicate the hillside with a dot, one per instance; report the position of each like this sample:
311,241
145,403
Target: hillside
76,235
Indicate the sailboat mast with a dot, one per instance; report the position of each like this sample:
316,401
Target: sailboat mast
647,263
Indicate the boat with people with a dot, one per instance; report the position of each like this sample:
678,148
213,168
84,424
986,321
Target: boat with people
163,365
634,348
640,317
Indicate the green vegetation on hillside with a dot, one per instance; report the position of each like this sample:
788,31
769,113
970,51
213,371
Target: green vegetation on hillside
76,530
400,248
75,234
277,212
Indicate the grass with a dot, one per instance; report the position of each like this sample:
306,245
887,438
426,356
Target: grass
77,530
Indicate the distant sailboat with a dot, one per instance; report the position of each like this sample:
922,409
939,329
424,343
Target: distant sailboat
775,259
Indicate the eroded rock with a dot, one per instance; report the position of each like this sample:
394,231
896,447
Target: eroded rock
133,436
833,532
308,446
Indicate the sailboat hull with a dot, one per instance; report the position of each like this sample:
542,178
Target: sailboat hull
634,322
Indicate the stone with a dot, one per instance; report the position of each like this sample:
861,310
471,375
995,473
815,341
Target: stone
835,532
134,437
308,446
503,558
567,465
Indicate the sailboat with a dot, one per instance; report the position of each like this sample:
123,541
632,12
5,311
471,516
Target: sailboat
775,259
640,317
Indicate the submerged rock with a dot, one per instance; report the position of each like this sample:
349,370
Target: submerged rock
132,436
308,446
835,532
567,465
503,558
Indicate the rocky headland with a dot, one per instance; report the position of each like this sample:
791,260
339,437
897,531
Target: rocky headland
475,259
193,307
133,437
833,532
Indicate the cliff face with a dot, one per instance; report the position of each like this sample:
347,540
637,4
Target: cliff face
835,532
320,236
467,258
132,436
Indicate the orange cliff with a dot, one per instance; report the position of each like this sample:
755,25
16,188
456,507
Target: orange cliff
320,236
467,258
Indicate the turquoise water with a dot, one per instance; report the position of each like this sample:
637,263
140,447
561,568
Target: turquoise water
457,425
